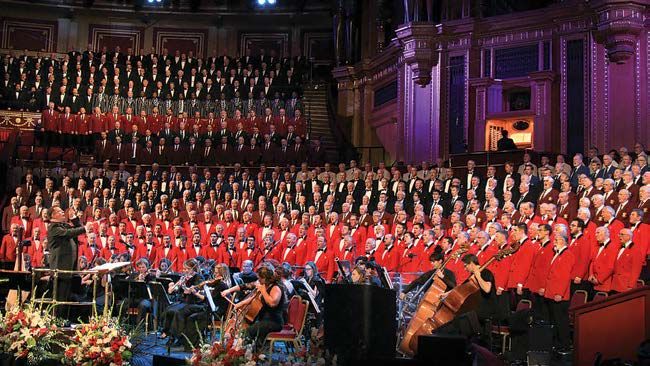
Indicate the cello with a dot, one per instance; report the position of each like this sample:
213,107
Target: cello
460,300
238,318
426,308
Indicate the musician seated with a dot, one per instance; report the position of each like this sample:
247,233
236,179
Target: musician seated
164,267
368,270
269,319
436,258
142,274
359,275
285,272
484,279
175,322
220,281
246,275
81,294
317,283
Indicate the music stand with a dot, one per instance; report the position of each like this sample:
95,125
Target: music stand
160,296
17,280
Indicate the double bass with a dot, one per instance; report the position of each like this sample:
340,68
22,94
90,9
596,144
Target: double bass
460,300
419,323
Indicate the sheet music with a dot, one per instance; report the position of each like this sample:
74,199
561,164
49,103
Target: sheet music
208,295
107,267
310,293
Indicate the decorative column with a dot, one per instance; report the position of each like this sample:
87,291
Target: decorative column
623,34
483,99
619,25
541,87
420,99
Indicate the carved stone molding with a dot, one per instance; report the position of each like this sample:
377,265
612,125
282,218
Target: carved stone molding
619,24
419,47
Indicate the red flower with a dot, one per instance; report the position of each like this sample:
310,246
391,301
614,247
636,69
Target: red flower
69,353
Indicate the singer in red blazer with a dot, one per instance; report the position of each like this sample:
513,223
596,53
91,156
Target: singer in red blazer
602,266
409,261
627,268
540,268
521,263
558,281
167,252
581,250
288,255
325,263
388,257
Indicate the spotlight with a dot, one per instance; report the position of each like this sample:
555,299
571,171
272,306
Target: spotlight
150,1
271,2
261,2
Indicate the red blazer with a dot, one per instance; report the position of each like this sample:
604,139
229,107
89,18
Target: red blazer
641,234
485,255
171,255
558,281
627,269
107,252
249,254
288,255
83,124
192,252
97,124
208,252
50,121
602,266
231,258
359,236
36,254
581,249
67,125
409,260
27,225
521,263
304,249
325,264
8,249
143,251
389,258
501,270
540,269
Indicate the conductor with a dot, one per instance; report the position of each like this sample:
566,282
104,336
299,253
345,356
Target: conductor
62,243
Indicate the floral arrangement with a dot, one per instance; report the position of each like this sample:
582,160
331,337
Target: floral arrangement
237,352
234,353
100,342
29,333
314,354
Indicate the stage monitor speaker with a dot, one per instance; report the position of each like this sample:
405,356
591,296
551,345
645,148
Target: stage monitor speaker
443,349
360,322
168,361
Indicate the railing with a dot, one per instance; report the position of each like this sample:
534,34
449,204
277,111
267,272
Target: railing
347,150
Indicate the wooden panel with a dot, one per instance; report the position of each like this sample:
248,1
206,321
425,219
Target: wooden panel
24,34
182,40
110,36
319,46
279,42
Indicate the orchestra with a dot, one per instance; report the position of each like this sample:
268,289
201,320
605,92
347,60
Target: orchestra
249,240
